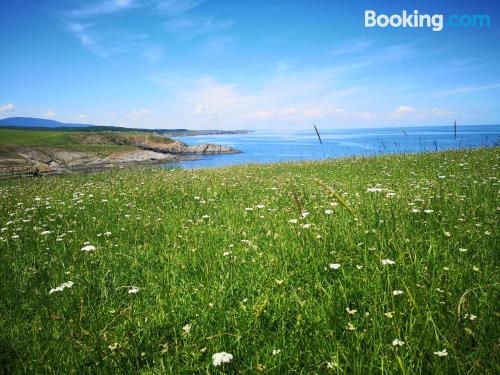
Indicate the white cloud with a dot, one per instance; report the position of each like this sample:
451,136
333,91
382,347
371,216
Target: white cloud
467,89
402,109
325,95
176,6
101,7
106,7
352,46
49,114
190,27
106,44
7,107
282,67
264,114
320,112
154,53
100,39
140,112
289,111
218,46
200,109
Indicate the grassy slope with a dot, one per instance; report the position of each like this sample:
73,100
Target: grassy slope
78,141
274,290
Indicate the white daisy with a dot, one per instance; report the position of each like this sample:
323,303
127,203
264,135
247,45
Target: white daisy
61,287
88,248
387,261
220,358
441,353
397,342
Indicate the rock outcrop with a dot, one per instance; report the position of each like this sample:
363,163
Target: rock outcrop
54,161
38,160
180,148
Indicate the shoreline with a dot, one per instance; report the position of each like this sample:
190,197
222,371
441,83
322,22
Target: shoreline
96,168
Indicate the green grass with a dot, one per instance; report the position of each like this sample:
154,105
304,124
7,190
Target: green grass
101,142
248,281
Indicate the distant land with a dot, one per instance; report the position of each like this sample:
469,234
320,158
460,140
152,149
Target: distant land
33,123
28,152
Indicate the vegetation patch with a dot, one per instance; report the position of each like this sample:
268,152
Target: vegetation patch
359,265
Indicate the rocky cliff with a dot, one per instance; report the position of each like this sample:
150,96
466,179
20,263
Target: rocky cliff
38,160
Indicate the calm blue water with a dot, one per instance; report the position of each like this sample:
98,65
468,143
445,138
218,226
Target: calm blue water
273,146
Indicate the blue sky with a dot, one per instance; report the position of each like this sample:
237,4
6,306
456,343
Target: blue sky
246,64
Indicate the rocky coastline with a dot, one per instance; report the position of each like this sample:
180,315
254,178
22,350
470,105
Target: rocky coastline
39,160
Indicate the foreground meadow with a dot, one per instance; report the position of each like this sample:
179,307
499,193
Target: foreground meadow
156,271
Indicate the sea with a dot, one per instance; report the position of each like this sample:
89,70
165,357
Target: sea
269,146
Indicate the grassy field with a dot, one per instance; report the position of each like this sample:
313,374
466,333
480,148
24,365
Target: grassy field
165,268
99,141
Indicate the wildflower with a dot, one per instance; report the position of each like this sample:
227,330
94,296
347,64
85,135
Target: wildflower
107,234
15,237
334,266
428,211
397,342
387,261
276,351
186,329
415,210
279,282
328,212
205,217
306,226
471,317
61,287
88,248
397,292
446,268
45,232
222,357
260,206
462,250
350,312
374,190
331,365
389,314
350,326
292,221
441,353
447,234
226,253
133,290
248,209
476,269
359,267
390,195
113,346
304,214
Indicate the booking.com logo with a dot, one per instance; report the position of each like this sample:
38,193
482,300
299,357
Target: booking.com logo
436,22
